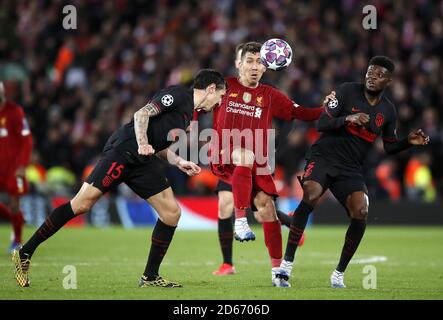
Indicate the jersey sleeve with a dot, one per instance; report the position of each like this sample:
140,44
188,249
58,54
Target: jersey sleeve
166,100
333,118
286,109
335,107
281,105
389,132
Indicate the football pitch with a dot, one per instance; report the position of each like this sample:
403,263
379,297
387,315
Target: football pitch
108,262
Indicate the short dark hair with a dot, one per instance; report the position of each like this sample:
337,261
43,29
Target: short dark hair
205,77
382,61
252,47
239,47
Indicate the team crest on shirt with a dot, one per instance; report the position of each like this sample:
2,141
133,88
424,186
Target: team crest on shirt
379,119
247,97
259,101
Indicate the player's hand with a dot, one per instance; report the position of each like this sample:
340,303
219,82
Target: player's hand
20,172
418,138
145,149
188,167
358,119
329,97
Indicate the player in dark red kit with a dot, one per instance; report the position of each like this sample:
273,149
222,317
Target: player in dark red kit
242,122
350,124
15,153
130,156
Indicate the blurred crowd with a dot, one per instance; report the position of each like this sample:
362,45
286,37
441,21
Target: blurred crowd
78,86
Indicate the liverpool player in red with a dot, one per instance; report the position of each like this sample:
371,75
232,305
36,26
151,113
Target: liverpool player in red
226,209
242,122
15,152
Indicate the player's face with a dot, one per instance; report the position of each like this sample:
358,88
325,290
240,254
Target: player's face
251,69
377,78
213,97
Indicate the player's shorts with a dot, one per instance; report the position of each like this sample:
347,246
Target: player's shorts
145,179
342,180
260,182
14,186
222,186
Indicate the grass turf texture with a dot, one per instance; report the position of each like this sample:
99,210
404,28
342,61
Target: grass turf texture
109,262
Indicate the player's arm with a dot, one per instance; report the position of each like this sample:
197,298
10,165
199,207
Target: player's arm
188,167
141,122
284,108
332,118
392,145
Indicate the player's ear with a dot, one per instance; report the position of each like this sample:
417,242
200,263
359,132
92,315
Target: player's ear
211,88
389,80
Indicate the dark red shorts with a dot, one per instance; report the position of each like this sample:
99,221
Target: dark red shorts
14,186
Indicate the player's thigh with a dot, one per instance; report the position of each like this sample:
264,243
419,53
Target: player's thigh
110,170
357,204
316,180
264,203
85,198
166,206
147,179
352,194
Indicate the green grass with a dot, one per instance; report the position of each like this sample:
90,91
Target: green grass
110,261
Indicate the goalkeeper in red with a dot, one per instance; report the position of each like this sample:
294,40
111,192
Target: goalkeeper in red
239,150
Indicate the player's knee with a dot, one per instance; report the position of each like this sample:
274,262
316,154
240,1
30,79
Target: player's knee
171,214
311,196
243,157
360,213
82,207
265,207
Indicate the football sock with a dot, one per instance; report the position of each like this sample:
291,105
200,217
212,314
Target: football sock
226,237
353,237
17,224
241,189
284,218
160,240
298,225
57,219
273,241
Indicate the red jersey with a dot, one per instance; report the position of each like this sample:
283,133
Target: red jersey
15,139
253,108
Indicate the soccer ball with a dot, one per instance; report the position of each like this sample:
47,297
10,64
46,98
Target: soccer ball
276,54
